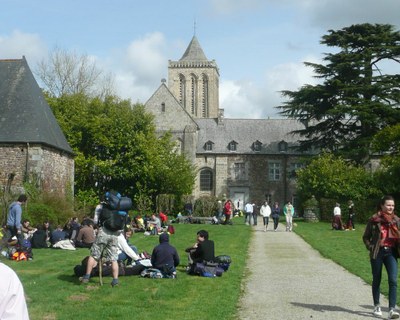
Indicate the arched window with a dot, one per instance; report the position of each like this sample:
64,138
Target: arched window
193,95
182,90
163,107
204,97
232,145
206,180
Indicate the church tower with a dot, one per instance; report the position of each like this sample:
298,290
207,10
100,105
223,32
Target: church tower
194,81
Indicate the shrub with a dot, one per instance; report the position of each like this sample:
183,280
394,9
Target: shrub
205,206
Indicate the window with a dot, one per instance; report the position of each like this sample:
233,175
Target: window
257,146
232,146
274,171
282,146
293,169
206,180
239,171
163,107
208,146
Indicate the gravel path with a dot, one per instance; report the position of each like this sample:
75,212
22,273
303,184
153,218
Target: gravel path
291,280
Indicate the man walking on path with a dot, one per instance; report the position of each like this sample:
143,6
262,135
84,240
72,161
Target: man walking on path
291,280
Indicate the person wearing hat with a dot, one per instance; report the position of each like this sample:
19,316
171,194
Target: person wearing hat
164,255
14,216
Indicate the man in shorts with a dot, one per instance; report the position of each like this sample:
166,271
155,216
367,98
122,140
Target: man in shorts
105,246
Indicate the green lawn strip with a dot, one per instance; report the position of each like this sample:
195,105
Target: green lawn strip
53,292
346,248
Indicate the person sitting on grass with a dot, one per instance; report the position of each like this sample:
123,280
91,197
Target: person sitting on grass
165,257
201,251
86,235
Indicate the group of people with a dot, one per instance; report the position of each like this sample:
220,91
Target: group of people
337,222
252,210
381,237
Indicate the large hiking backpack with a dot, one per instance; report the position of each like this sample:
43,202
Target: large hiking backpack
114,201
112,220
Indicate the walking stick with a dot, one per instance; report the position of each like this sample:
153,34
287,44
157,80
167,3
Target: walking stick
101,267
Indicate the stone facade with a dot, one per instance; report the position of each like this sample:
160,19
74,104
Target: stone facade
246,159
52,169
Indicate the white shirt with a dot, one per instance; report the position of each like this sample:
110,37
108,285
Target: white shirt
124,246
265,210
248,208
337,211
12,297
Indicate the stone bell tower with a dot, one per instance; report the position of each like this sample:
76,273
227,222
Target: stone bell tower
194,81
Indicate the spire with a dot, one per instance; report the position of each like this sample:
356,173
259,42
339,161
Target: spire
194,52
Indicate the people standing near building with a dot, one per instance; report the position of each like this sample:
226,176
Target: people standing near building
337,223
265,212
14,218
256,210
228,210
381,237
350,222
248,213
275,214
288,211
12,297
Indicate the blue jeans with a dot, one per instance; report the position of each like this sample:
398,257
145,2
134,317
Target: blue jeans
388,258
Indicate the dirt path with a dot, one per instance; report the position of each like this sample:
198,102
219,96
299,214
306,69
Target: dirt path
290,280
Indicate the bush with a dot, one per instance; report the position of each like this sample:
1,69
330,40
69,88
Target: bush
363,209
37,213
205,206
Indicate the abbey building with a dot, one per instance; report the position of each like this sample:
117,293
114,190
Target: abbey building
240,159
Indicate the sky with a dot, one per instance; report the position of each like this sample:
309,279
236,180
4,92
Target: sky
260,46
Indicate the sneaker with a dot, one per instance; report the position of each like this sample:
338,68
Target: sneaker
83,279
393,314
114,283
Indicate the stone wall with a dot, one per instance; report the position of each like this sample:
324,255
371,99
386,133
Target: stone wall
255,185
52,169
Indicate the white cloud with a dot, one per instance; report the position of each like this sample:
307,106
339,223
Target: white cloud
139,67
244,99
19,44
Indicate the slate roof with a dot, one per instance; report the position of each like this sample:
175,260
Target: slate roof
194,52
25,115
245,132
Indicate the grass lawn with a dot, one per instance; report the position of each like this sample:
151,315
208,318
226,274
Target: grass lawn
346,248
54,292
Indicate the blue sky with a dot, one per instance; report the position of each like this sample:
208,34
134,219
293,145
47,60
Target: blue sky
259,45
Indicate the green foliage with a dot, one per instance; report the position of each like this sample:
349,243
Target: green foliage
387,142
117,148
356,99
38,213
330,177
205,206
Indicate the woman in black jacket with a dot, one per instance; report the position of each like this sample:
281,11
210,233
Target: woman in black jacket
381,237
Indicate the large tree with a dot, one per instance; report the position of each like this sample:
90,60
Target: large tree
67,72
117,148
358,95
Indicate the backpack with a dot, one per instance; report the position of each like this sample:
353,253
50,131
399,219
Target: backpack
208,269
114,201
171,229
112,220
152,273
